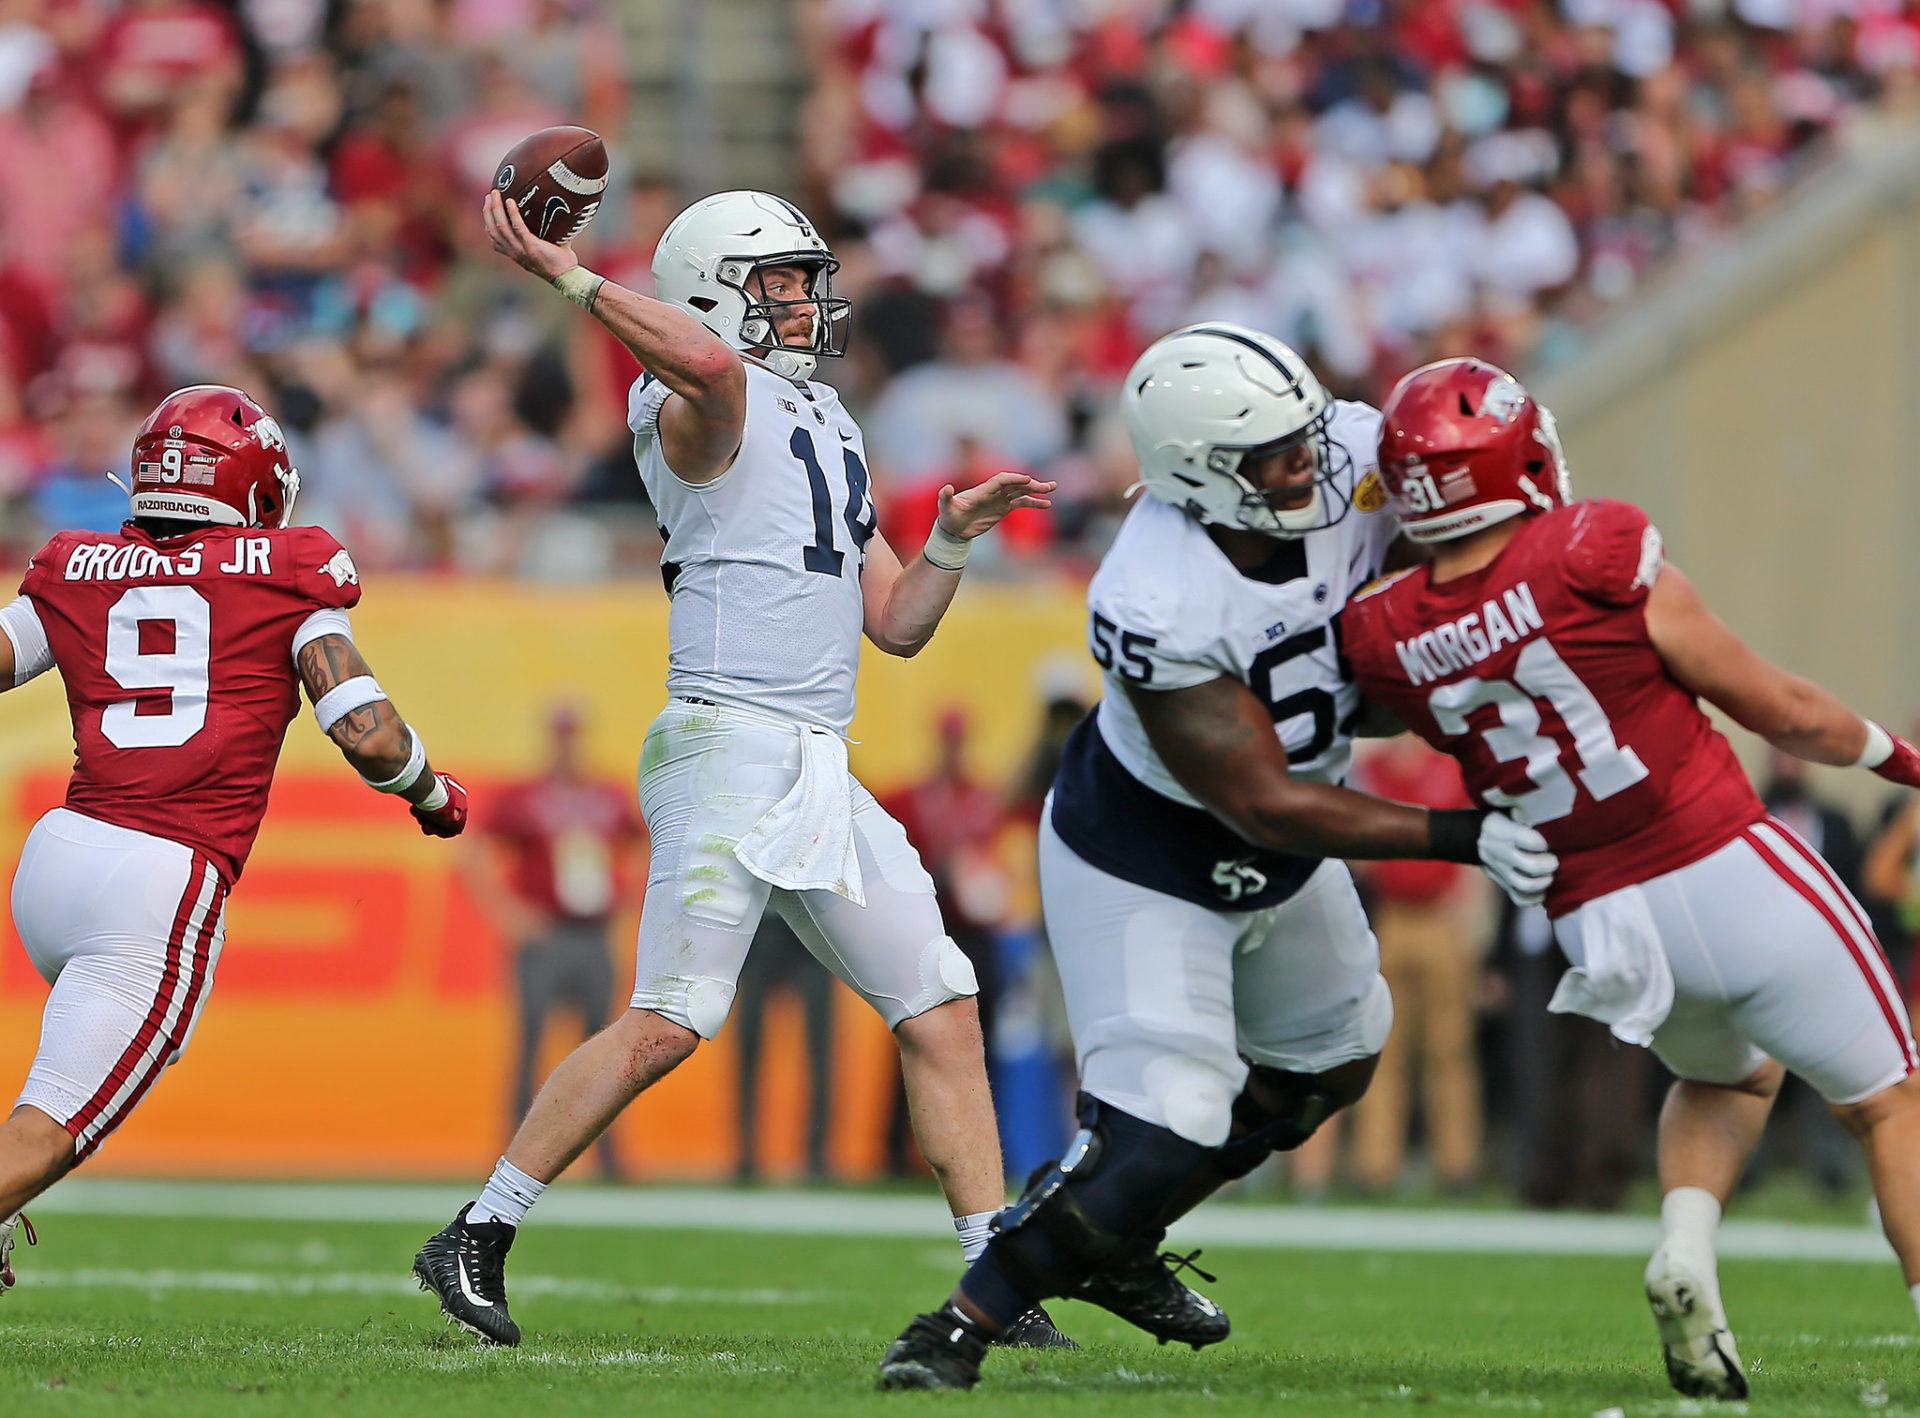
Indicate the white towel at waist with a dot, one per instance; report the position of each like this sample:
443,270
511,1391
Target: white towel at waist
1623,978
804,842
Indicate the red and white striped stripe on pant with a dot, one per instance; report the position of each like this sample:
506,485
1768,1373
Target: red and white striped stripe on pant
1771,957
127,928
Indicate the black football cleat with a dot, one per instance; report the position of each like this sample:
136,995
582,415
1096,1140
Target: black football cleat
940,1350
466,1266
1033,1330
1145,1289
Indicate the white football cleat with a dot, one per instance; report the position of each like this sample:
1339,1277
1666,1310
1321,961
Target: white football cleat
16,1222
1684,1293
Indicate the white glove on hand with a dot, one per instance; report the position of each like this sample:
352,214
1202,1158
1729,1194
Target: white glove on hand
1517,857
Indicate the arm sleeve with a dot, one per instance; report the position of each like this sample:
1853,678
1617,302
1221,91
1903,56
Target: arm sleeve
1614,553
31,653
328,620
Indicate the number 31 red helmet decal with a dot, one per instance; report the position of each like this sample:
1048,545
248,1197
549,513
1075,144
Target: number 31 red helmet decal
1463,446
211,454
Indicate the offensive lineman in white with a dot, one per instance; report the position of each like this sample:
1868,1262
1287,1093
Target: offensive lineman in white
1221,980
775,570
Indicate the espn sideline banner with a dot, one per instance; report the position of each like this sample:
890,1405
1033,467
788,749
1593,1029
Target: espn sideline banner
363,1020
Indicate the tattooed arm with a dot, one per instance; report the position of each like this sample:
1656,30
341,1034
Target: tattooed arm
373,738
1218,741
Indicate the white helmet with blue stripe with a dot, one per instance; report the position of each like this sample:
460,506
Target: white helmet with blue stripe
1202,400
705,264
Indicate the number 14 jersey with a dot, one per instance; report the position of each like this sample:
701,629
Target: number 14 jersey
763,563
1537,673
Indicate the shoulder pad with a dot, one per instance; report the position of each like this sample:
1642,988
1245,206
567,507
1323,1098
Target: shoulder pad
324,569
643,404
1612,551
47,557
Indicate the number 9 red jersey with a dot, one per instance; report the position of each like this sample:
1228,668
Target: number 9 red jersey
1537,673
178,661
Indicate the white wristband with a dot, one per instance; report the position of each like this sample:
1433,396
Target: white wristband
434,800
408,776
945,550
580,286
1879,747
345,697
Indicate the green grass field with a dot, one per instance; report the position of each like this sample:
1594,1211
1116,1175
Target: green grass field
176,1317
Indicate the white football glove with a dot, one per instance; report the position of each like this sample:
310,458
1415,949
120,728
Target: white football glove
1517,857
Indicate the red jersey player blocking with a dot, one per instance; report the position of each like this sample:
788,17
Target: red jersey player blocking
1550,649
183,640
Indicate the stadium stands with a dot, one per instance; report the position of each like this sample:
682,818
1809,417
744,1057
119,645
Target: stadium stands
280,195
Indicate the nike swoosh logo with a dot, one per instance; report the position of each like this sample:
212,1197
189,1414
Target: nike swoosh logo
466,1286
846,438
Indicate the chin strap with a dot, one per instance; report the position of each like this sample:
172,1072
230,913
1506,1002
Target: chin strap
790,364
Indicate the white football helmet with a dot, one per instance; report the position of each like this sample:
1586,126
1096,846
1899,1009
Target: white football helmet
1200,400
707,257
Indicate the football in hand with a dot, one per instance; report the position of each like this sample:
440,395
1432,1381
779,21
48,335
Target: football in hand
557,176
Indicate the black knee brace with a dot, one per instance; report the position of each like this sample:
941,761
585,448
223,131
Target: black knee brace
1275,1112
1115,1178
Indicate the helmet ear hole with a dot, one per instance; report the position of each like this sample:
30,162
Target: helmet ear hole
703,303
1466,409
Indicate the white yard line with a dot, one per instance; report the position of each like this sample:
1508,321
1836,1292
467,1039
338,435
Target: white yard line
813,1213
296,1282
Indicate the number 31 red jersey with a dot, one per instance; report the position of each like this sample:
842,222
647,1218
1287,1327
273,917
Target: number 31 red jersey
1536,673
178,661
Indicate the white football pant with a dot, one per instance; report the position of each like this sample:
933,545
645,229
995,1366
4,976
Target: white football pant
127,928
707,775
1165,996
1771,957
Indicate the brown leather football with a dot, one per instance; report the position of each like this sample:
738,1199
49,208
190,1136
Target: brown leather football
557,176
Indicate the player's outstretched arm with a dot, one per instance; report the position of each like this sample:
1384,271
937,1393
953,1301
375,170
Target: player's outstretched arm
374,739
23,645
1793,714
904,604
700,431
1217,739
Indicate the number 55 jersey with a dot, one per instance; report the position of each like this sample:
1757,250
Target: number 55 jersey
1168,610
1537,673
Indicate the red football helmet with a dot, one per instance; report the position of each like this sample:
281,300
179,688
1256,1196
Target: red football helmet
1463,446
211,454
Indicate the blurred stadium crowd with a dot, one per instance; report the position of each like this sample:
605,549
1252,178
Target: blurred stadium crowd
281,194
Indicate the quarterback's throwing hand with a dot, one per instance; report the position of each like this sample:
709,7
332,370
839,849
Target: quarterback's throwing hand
512,238
1517,857
979,509
449,819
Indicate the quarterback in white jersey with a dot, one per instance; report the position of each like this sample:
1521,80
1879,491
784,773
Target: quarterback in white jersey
1221,981
759,477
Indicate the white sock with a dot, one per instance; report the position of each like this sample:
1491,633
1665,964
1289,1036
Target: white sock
975,1231
508,1195
1914,1290
1690,1218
